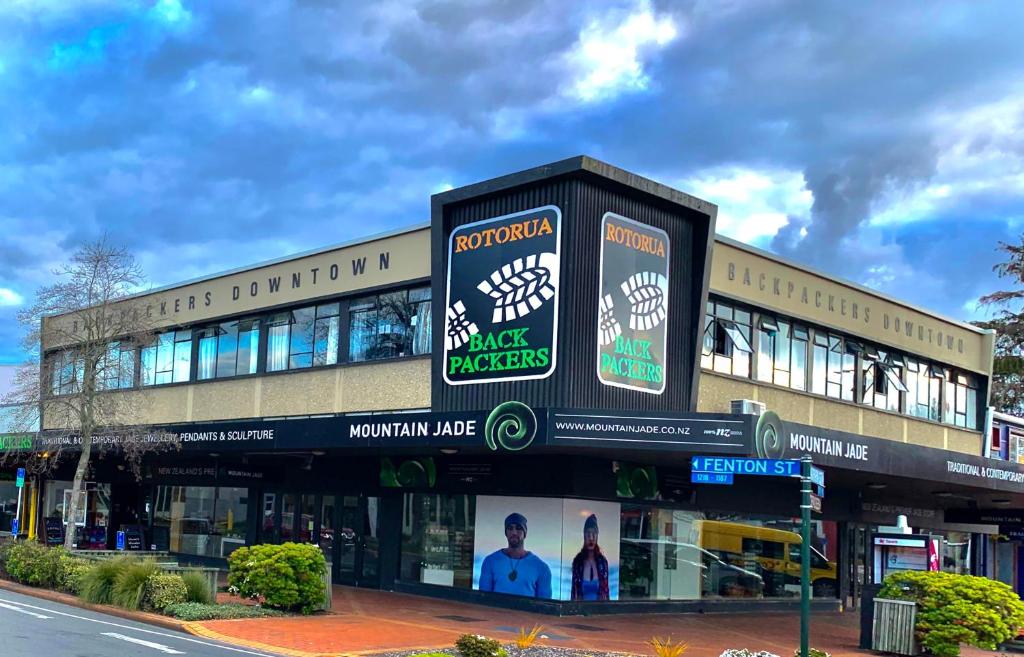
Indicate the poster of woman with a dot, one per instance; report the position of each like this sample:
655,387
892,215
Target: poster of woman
590,550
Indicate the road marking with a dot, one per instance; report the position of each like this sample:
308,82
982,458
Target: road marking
149,644
178,637
24,611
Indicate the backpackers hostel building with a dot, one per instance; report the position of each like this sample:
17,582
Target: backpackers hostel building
535,369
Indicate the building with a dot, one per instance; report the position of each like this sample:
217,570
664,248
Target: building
544,359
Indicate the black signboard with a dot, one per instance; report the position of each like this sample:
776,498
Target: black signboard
54,528
501,321
133,537
986,516
706,432
777,439
632,313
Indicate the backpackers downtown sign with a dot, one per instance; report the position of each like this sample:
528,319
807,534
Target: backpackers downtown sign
501,319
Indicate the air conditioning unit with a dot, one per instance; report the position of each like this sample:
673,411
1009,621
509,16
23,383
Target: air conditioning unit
747,407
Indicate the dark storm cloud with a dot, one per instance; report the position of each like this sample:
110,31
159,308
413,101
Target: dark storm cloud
231,132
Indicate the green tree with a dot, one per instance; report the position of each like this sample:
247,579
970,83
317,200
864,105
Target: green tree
1008,368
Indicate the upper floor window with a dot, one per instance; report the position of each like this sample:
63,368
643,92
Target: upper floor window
116,370
960,406
168,359
782,353
924,389
66,370
390,325
727,333
833,368
228,349
304,337
881,379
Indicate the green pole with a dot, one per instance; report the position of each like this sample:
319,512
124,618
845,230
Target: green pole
805,555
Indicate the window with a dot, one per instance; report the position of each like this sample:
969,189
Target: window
727,333
116,370
833,367
202,520
960,406
304,337
66,373
228,349
437,539
390,325
168,359
782,353
881,379
924,383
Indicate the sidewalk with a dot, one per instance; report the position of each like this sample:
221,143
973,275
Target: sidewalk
363,622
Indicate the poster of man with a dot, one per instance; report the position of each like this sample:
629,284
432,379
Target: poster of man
517,546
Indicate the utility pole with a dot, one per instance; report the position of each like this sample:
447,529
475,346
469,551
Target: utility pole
805,555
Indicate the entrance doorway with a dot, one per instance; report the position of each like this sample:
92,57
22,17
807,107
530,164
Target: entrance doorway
356,543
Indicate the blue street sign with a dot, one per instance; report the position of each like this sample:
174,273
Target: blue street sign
120,540
817,477
710,478
14,526
744,466
20,481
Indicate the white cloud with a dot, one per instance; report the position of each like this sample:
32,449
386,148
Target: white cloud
9,297
752,203
610,52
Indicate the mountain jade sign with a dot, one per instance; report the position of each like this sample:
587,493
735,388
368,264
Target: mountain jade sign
633,305
502,317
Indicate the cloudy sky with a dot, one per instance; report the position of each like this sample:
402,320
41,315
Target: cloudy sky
880,141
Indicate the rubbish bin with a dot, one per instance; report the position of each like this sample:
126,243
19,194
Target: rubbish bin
894,625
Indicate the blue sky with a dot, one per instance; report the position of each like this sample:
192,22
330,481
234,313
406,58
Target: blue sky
879,141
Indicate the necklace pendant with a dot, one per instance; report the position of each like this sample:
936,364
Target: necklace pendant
512,576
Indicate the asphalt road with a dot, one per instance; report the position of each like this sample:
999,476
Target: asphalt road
30,626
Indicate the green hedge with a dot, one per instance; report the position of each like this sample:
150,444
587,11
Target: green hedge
163,591
955,609
287,576
196,611
34,564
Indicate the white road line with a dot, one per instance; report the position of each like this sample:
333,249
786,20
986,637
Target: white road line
179,637
24,611
149,644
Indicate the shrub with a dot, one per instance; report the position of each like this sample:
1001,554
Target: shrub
667,647
5,547
474,645
129,589
526,639
286,576
33,563
70,571
198,590
97,584
195,611
812,652
743,652
955,609
163,590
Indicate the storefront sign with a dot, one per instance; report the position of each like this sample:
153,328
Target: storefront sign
775,438
706,432
632,314
501,321
985,516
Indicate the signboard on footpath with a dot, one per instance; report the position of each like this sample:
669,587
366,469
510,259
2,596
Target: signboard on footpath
501,323
633,305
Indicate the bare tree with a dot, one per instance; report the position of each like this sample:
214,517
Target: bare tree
1008,367
83,334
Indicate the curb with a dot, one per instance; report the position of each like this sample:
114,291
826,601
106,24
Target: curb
198,629
165,622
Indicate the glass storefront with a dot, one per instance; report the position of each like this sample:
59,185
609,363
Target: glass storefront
93,511
8,504
437,539
204,521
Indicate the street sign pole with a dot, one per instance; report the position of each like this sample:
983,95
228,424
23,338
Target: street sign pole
20,483
805,555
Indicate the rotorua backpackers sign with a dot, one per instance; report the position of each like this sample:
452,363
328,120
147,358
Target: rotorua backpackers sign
502,293
633,306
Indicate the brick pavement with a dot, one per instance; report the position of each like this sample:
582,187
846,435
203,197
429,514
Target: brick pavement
363,622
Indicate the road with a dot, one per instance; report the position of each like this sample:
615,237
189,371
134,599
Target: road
30,626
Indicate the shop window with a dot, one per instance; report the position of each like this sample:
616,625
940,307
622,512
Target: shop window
960,403
66,370
390,325
116,369
727,334
782,353
204,521
304,337
228,349
8,504
168,359
833,367
881,379
437,539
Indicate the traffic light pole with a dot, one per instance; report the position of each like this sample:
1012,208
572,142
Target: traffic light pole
805,555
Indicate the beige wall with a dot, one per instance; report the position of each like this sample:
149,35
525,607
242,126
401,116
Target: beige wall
757,278
391,385
386,261
717,391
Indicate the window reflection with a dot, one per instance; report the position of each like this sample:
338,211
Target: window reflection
390,325
303,337
168,359
204,521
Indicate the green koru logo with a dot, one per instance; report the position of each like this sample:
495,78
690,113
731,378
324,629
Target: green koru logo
511,425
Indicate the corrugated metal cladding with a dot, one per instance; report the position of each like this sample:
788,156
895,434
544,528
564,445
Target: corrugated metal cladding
583,199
